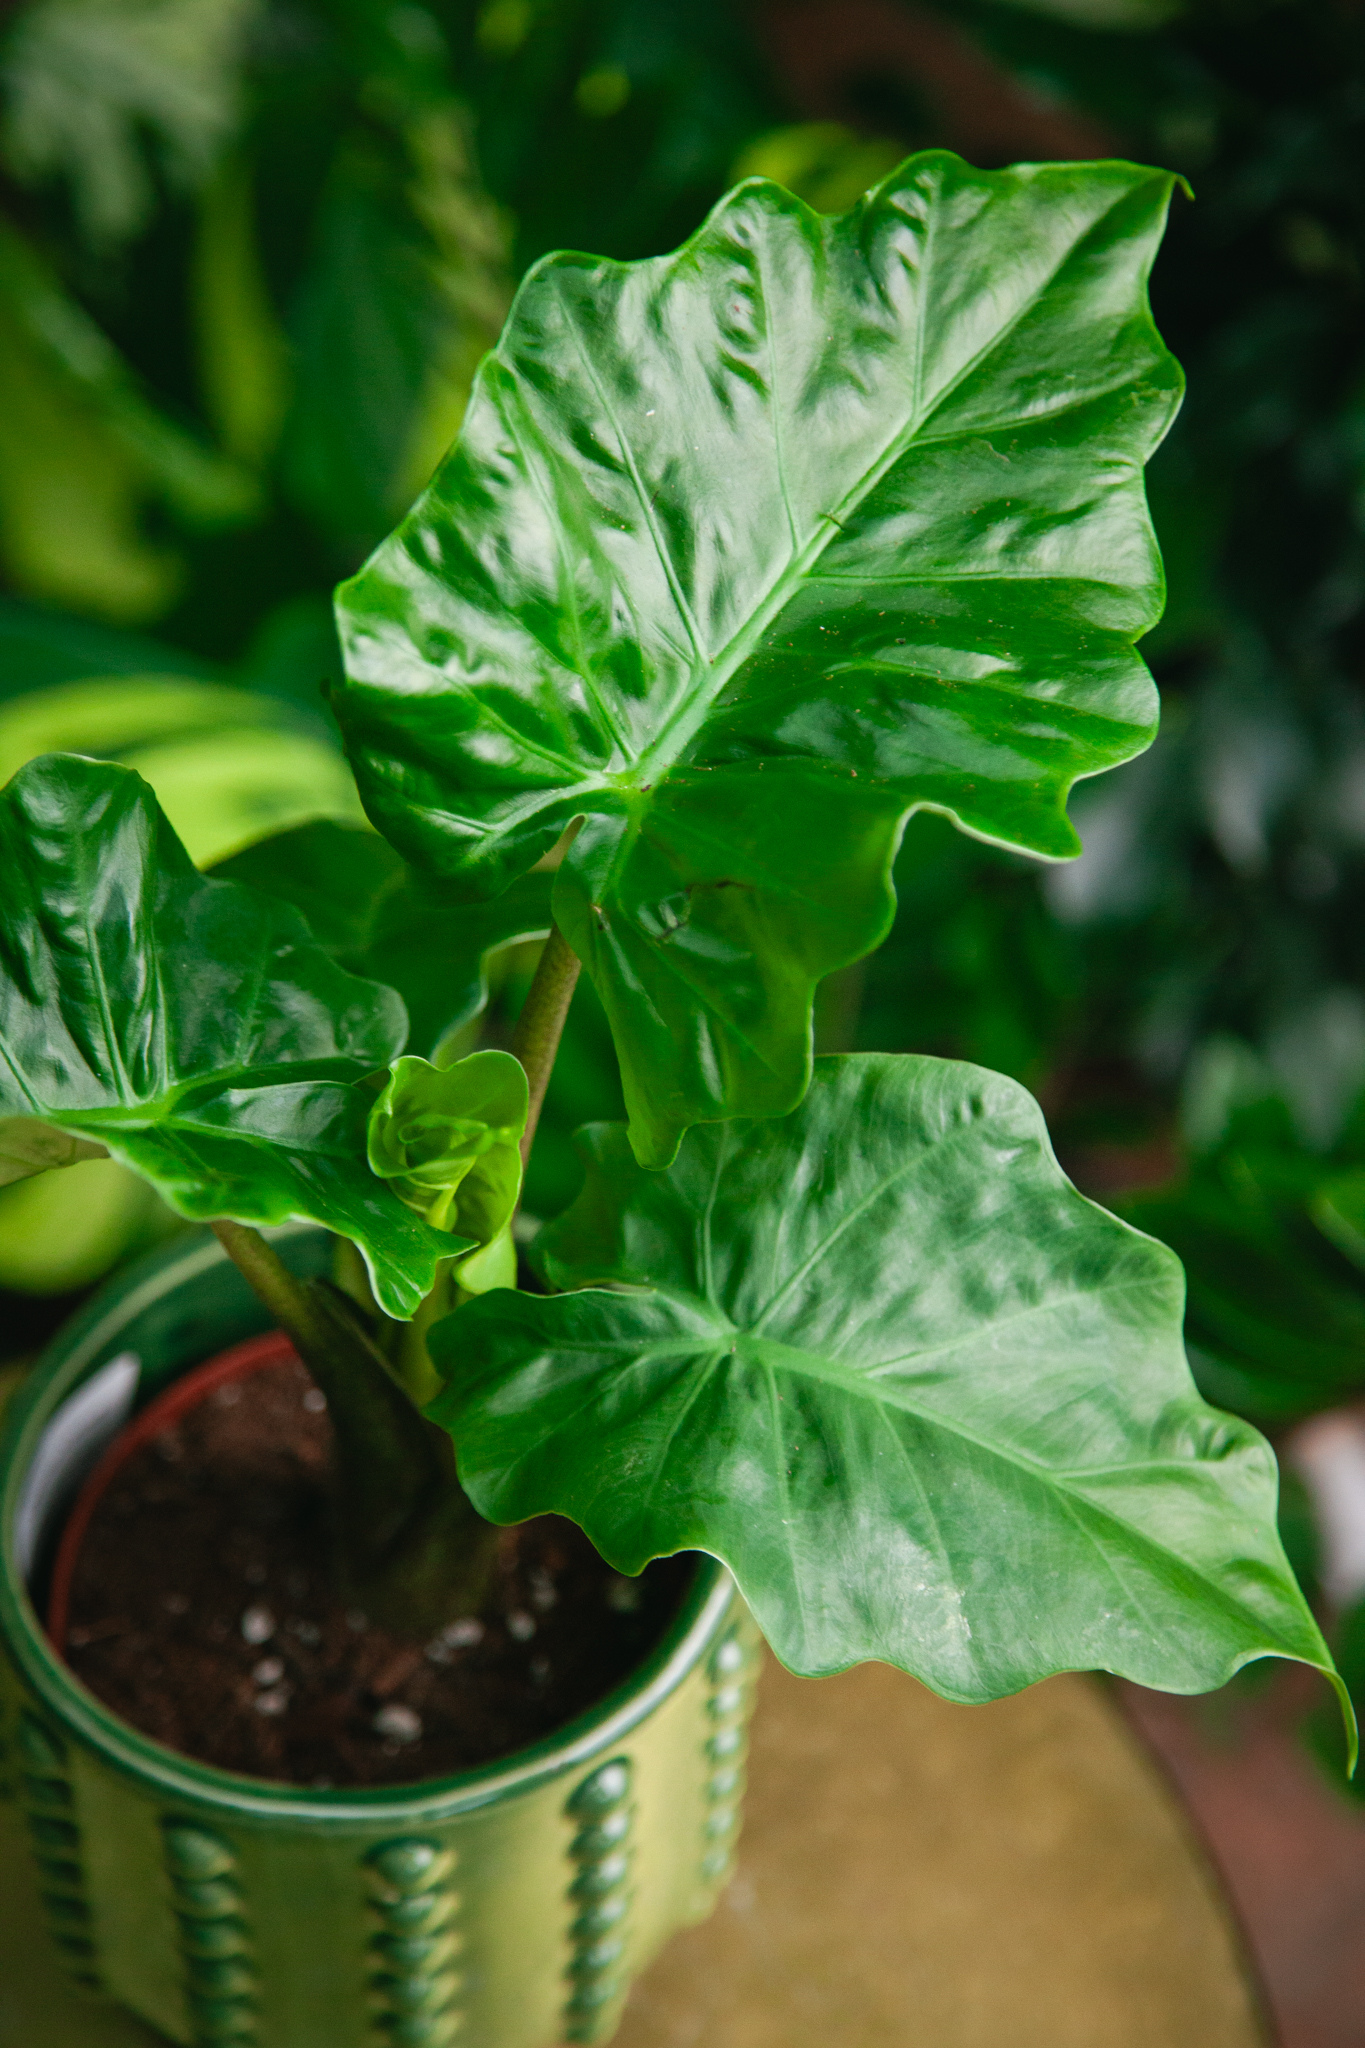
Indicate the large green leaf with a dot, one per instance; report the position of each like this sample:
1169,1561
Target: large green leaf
746,552
190,1027
927,1402
377,916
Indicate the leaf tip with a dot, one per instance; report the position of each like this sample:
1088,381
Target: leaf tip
654,1142
1349,1725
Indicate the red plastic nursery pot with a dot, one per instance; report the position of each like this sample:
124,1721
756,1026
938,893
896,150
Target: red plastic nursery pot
258,1354
505,1906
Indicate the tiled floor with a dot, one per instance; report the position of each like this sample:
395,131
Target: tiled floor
913,1875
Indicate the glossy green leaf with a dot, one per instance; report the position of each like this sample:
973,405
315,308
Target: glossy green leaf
28,1147
190,1027
447,1140
379,917
746,552
927,1402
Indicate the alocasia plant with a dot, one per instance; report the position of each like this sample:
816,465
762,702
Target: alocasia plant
746,552
743,554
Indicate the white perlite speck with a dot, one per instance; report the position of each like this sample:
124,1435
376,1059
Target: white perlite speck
463,1634
398,1723
258,1624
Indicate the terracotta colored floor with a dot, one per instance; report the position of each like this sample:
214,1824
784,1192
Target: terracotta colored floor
913,1875
1291,1849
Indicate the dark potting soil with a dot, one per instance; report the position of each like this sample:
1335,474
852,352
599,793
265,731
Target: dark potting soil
204,1611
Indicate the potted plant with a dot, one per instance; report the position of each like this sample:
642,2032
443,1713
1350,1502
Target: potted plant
743,555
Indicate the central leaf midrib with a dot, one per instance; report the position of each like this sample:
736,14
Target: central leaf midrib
1073,1497
709,678
802,1363
177,1102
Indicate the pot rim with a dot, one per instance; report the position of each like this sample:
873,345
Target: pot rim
183,1395
233,1795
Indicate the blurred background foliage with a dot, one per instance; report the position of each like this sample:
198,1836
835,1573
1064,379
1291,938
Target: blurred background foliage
250,253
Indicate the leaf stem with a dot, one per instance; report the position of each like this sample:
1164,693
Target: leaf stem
412,1548
273,1285
535,1041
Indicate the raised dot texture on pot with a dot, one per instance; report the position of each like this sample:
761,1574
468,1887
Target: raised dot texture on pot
597,1919
193,1853
48,1801
416,1951
422,1913
596,1880
40,1749
423,2032
600,1852
730,1672
412,1866
591,1844
605,1789
413,1904
220,1975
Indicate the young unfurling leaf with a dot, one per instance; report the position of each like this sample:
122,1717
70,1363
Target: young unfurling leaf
447,1141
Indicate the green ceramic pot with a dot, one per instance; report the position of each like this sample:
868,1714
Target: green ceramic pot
506,1907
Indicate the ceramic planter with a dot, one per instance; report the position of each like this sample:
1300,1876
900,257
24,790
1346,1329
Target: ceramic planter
505,1907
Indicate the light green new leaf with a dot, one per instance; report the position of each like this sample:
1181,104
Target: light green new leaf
447,1139
746,552
379,917
927,1402
190,1027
